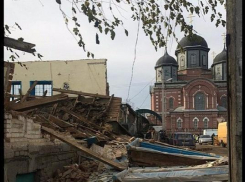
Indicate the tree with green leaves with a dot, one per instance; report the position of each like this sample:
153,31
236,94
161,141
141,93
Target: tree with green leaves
154,16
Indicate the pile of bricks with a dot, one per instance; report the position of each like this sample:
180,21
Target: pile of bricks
75,172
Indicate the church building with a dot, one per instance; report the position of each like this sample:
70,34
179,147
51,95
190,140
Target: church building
195,95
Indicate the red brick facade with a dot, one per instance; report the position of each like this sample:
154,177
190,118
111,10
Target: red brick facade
183,92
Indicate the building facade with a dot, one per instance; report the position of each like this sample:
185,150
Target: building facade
88,75
195,95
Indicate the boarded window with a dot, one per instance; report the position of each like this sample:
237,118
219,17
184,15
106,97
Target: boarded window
199,101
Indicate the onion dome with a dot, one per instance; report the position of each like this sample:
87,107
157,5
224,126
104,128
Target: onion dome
220,57
166,60
192,40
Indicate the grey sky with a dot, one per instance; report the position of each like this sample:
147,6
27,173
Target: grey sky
42,24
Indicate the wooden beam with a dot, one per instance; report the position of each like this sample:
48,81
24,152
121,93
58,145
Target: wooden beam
44,122
106,110
21,96
59,122
45,93
82,119
79,93
21,46
83,149
37,102
28,92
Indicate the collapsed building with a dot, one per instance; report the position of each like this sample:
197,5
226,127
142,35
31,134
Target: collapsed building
76,136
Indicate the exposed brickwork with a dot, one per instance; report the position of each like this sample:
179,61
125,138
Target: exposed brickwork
27,150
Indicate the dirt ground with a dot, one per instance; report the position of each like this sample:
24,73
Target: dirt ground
218,150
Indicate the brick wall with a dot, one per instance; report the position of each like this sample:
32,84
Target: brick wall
27,150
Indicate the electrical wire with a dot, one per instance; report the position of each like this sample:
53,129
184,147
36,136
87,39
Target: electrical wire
142,89
137,36
144,100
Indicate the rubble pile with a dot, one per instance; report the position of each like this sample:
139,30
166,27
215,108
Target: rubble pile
75,172
83,117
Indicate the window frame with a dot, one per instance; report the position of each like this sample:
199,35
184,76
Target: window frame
195,123
205,123
179,121
193,59
171,104
195,101
14,83
43,83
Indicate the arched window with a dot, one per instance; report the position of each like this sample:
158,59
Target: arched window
195,122
179,123
171,103
224,101
205,122
199,99
193,59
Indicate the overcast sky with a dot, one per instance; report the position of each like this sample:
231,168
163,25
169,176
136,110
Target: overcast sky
42,24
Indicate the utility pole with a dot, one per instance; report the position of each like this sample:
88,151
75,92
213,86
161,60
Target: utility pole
234,88
163,105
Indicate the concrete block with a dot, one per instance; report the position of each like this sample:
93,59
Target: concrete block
17,130
7,121
8,135
7,116
14,125
29,120
33,148
16,153
7,130
7,125
8,153
16,135
17,121
23,153
20,146
13,140
21,118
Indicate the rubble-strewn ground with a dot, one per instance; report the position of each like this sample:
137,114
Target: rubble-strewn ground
218,150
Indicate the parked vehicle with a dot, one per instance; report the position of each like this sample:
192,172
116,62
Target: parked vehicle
182,139
210,132
222,134
205,139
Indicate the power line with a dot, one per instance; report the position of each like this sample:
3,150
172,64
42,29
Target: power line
144,100
134,58
142,89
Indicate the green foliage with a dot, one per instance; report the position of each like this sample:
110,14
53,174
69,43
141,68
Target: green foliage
149,13
152,17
